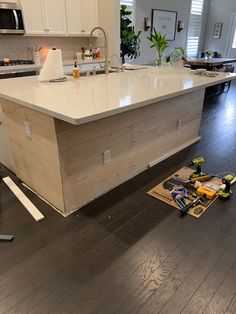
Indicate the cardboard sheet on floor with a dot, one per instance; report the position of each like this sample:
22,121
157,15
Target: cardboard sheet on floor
163,194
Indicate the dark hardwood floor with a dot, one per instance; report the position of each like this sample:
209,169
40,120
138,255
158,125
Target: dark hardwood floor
127,252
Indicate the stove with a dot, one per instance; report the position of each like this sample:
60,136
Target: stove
15,62
11,73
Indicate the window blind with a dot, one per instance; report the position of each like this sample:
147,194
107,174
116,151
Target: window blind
234,40
194,27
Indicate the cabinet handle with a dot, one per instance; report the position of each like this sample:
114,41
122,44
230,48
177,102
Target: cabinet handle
82,30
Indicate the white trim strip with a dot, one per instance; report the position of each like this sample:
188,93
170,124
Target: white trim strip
193,141
36,214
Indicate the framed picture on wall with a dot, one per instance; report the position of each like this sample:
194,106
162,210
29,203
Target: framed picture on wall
217,30
164,22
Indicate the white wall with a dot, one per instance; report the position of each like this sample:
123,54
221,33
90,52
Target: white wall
219,12
144,8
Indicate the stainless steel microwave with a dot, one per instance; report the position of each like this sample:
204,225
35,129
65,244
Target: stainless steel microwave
11,21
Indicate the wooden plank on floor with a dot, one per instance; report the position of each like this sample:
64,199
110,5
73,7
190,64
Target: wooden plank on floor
34,212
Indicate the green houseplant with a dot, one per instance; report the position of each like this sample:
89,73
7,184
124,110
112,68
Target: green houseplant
129,45
159,41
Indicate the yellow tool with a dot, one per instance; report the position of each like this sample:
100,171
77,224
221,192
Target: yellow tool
206,192
226,192
197,163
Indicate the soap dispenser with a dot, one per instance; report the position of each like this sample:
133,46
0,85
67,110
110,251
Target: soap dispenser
76,73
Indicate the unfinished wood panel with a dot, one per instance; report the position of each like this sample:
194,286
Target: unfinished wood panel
98,179
38,174
26,114
145,139
36,159
43,140
120,141
97,128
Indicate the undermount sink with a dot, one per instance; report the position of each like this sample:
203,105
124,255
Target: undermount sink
91,73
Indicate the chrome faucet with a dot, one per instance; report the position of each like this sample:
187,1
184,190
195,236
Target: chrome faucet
105,45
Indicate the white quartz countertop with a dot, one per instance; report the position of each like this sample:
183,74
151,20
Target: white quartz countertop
95,97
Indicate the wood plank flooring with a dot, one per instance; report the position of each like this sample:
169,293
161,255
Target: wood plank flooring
127,252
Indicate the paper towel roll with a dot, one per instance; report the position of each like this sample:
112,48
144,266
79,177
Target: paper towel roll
53,67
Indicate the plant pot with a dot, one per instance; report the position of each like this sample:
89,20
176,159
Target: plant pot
160,60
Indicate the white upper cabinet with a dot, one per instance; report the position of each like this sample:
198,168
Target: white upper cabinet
34,20
10,1
82,16
55,16
44,17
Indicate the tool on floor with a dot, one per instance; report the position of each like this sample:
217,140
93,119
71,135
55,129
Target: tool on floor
178,195
6,237
187,207
163,196
202,178
226,192
197,164
206,192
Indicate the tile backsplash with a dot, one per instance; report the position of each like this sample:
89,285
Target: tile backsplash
18,47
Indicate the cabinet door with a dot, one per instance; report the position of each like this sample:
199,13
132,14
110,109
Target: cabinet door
55,17
34,19
89,15
9,1
82,16
74,26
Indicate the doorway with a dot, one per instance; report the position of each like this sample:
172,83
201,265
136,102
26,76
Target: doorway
231,52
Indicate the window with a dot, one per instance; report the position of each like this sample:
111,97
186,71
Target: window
194,27
130,7
234,40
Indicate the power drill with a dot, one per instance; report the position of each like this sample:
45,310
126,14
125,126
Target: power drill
228,181
197,163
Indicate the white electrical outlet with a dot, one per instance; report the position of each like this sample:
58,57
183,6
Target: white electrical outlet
107,156
179,124
28,129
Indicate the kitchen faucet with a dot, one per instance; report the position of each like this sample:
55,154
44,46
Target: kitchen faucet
105,45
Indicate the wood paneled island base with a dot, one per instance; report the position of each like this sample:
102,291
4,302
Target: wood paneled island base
64,163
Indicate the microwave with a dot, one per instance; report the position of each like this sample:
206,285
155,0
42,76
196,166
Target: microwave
11,21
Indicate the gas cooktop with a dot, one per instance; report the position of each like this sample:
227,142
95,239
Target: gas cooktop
15,62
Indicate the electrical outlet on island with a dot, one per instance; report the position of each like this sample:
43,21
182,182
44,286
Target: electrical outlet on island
28,131
179,124
106,156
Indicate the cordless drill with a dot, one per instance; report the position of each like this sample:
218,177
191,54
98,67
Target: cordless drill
197,163
227,181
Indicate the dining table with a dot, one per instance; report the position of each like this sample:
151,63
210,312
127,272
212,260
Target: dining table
209,64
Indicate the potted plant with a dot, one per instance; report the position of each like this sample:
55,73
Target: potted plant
208,54
130,40
159,41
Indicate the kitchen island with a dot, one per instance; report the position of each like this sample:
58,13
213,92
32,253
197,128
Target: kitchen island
73,141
